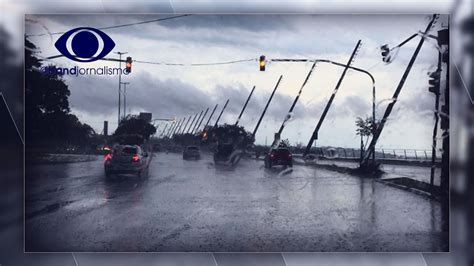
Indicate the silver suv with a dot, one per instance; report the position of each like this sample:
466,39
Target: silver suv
127,159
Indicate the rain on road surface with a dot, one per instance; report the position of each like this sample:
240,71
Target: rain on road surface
196,206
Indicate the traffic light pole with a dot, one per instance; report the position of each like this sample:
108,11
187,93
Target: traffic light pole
222,111
314,136
245,106
266,106
435,128
390,106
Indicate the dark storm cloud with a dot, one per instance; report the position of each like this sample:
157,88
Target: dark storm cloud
255,23
250,32
170,97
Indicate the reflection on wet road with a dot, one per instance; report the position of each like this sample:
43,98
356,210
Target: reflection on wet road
197,206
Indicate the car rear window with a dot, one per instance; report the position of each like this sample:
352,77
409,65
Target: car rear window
283,151
129,150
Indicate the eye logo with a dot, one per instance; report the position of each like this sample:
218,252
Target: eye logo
84,44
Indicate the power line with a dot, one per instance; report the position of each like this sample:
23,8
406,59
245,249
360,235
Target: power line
195,64
113,27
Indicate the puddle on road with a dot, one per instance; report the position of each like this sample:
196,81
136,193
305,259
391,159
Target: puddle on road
85,204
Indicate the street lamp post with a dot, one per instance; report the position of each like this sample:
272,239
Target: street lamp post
125,98
120,82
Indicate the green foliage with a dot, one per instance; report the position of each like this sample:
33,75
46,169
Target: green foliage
134,130
364,126
231,134
48,120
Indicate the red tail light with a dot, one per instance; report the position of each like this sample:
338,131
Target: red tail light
135,158
108,157
290,155
272,155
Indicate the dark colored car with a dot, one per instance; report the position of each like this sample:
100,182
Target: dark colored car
126,159
223,152
279,156
191,152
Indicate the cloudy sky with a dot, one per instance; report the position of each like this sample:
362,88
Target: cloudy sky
180,91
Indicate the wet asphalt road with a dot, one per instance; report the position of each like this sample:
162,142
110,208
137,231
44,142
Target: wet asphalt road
196,206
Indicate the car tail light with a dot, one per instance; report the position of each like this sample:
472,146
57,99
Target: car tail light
108,157
135,158
290,155
272,155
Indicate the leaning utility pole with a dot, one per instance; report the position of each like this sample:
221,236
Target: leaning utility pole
209,120
245,105
120,82
390,106
219,117
331,99
173,124
185,125
178,127
197,121
288,116
200,122
266,106
173,127
164,129
190,125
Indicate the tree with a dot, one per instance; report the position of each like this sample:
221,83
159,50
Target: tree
365,128
134,130
285,143
230,134
48,120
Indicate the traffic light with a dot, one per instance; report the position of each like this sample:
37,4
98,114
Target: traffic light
128,64
434,82
385,53
262,63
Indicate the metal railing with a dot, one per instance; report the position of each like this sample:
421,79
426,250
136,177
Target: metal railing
393,154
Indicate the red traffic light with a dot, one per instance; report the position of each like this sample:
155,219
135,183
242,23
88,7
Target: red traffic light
262,63
128,64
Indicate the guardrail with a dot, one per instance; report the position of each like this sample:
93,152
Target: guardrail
389,154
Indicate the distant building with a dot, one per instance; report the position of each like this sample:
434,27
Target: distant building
145,116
